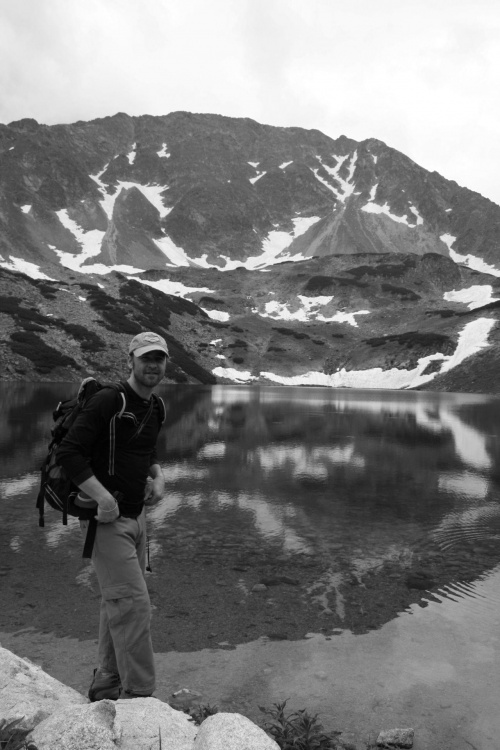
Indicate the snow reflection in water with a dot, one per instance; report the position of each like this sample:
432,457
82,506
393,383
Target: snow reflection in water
309,471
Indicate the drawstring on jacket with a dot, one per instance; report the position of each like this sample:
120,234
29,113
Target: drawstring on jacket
148,566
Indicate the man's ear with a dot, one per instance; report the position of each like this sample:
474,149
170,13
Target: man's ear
130,361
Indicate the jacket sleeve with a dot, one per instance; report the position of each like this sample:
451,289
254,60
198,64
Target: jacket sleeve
91,426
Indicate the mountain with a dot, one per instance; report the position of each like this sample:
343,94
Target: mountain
264,254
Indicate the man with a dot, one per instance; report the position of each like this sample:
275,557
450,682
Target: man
110,454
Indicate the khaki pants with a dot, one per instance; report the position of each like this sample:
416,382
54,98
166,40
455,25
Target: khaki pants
119,560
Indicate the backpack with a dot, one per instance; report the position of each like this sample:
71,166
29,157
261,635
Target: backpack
56,488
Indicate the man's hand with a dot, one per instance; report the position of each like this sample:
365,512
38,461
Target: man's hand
108,510
155,489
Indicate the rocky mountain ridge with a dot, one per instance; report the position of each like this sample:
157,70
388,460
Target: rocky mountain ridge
264,254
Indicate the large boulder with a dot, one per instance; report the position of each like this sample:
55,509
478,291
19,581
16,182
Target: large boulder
138,724
90,727
232,732
143,721
30,694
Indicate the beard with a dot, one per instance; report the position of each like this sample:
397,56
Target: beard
146,376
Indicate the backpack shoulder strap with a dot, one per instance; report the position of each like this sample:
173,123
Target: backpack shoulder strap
161,405
118,387
87,388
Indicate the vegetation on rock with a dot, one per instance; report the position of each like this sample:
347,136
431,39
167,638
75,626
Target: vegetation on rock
45,358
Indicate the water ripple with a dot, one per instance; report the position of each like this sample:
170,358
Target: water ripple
469,525
480,598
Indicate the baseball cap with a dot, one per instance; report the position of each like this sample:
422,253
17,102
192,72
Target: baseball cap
147,342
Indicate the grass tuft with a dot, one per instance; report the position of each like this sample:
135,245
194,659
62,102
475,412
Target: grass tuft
12,737
297,730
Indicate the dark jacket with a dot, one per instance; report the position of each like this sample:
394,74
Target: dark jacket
102,444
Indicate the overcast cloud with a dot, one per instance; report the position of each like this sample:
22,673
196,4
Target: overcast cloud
421,75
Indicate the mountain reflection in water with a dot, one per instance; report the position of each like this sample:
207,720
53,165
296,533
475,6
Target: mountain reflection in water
367,501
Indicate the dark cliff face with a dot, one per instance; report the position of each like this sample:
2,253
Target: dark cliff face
183,196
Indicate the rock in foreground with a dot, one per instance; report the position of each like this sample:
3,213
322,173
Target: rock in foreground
59,718
396,738
232,732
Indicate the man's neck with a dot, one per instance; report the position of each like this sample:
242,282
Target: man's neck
141,390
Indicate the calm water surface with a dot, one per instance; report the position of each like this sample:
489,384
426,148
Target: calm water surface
360,479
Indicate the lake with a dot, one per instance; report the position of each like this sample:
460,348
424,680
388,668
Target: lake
312,543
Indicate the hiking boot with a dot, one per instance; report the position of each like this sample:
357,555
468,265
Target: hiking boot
104,685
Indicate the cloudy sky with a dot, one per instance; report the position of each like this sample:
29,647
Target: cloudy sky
421,75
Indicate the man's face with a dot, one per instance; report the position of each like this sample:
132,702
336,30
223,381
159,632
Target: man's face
149,369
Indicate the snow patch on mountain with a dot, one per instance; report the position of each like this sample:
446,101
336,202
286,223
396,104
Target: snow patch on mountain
474,296
132,154
477,264
473,338
90,243
253,180
23,266
376,208
151,192
175,288
285,164
272,247
448,240
26,208
176,255
308,311
276,242
237,376
163,153
220,315
99,269
416,214
346,187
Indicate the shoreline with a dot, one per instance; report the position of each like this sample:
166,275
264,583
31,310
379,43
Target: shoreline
410,672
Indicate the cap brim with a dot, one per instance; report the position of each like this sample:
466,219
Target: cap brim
151,348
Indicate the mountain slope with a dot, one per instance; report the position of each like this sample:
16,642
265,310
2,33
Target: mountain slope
266,254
